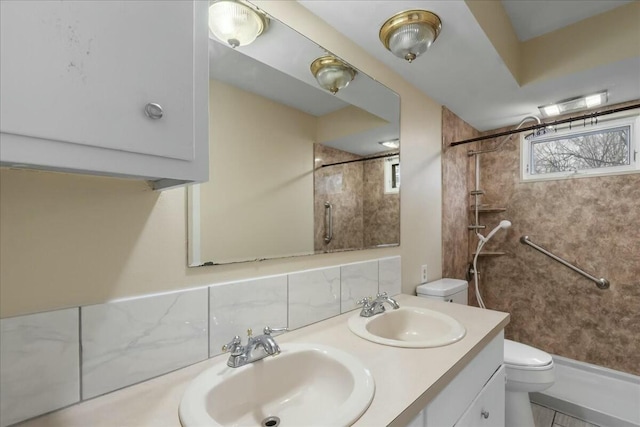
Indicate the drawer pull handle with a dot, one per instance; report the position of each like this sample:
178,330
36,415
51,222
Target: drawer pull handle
485,414
153,111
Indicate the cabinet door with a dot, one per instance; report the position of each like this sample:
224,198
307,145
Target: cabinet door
487,409
83,72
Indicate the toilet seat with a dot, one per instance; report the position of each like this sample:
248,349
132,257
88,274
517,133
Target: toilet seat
528,369
518,355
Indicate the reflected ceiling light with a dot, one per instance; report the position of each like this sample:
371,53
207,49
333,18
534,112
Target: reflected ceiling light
409,34
574,104
394,143
235,22
331,73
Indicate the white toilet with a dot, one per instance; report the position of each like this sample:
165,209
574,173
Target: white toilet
528,369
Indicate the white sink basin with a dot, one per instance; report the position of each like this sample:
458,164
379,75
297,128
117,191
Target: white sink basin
408,327
305,385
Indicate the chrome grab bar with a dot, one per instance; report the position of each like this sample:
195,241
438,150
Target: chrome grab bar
601,283
328,222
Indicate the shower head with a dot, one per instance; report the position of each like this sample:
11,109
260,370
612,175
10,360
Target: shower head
504,224
508,137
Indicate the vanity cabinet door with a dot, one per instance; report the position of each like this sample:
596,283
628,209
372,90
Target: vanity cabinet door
111,74
488,408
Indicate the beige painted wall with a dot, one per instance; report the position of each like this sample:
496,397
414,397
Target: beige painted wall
67,240
602,39
496,24
579,47
345,122
259,199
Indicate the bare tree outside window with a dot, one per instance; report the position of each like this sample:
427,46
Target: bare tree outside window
588,150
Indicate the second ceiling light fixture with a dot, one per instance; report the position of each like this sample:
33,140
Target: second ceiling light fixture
331,73
409,34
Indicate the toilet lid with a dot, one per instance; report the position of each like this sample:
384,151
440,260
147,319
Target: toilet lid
519,354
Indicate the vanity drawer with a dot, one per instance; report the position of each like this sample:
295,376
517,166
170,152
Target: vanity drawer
487,409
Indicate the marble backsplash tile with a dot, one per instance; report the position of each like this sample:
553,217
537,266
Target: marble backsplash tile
389,272
237,306
358,281
46,361
129,341
39,364
314,295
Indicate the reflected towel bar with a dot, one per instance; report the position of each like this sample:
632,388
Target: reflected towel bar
601,283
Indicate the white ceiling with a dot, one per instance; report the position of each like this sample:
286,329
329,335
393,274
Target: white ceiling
463,71
533,18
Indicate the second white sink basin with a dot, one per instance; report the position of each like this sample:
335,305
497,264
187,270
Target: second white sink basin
305,385
414,327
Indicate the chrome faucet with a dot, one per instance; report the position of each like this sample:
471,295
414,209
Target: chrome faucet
371,307
256,348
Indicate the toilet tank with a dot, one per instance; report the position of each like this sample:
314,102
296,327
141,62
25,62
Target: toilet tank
450,290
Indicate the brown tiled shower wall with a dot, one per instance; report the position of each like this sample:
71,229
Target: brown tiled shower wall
592,222
363,216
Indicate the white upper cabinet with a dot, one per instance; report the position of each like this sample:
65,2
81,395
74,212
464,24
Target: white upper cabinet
106,87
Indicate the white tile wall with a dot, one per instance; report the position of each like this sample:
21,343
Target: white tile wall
314,295
358,280
237,306
39,364
389,275
129,341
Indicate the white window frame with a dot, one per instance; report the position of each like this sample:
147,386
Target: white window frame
577,128
388,175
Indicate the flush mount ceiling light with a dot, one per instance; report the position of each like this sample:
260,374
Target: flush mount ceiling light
409,34
394,143
574,104
331,73
235,22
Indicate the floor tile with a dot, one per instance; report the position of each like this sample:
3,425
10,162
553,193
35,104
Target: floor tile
542,417
562,420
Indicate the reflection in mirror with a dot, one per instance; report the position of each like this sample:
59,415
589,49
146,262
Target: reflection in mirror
271,129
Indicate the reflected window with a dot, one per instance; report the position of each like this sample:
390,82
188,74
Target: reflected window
392,175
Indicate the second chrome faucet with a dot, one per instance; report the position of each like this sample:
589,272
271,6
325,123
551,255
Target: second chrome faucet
371,307
257,347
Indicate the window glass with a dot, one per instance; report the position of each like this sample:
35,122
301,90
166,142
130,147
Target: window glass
602,149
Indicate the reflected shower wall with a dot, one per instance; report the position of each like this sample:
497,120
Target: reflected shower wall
363,216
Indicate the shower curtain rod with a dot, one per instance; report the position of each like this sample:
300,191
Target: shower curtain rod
363,159
544,125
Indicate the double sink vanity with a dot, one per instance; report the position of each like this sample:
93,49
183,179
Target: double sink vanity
426,363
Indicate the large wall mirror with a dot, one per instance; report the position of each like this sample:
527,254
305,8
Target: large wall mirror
294,170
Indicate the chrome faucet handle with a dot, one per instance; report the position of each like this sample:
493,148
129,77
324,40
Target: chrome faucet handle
382,295
269,330
234,346
366,301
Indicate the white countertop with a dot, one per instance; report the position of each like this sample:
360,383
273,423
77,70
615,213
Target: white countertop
406,379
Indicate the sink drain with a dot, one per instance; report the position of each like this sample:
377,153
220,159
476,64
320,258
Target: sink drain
271,422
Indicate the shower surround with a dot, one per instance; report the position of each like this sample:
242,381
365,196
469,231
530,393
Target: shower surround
363,215
592,222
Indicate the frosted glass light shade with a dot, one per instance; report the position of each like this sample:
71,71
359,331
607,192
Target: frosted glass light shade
411,39
235,23
574,104
409,34
331,73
